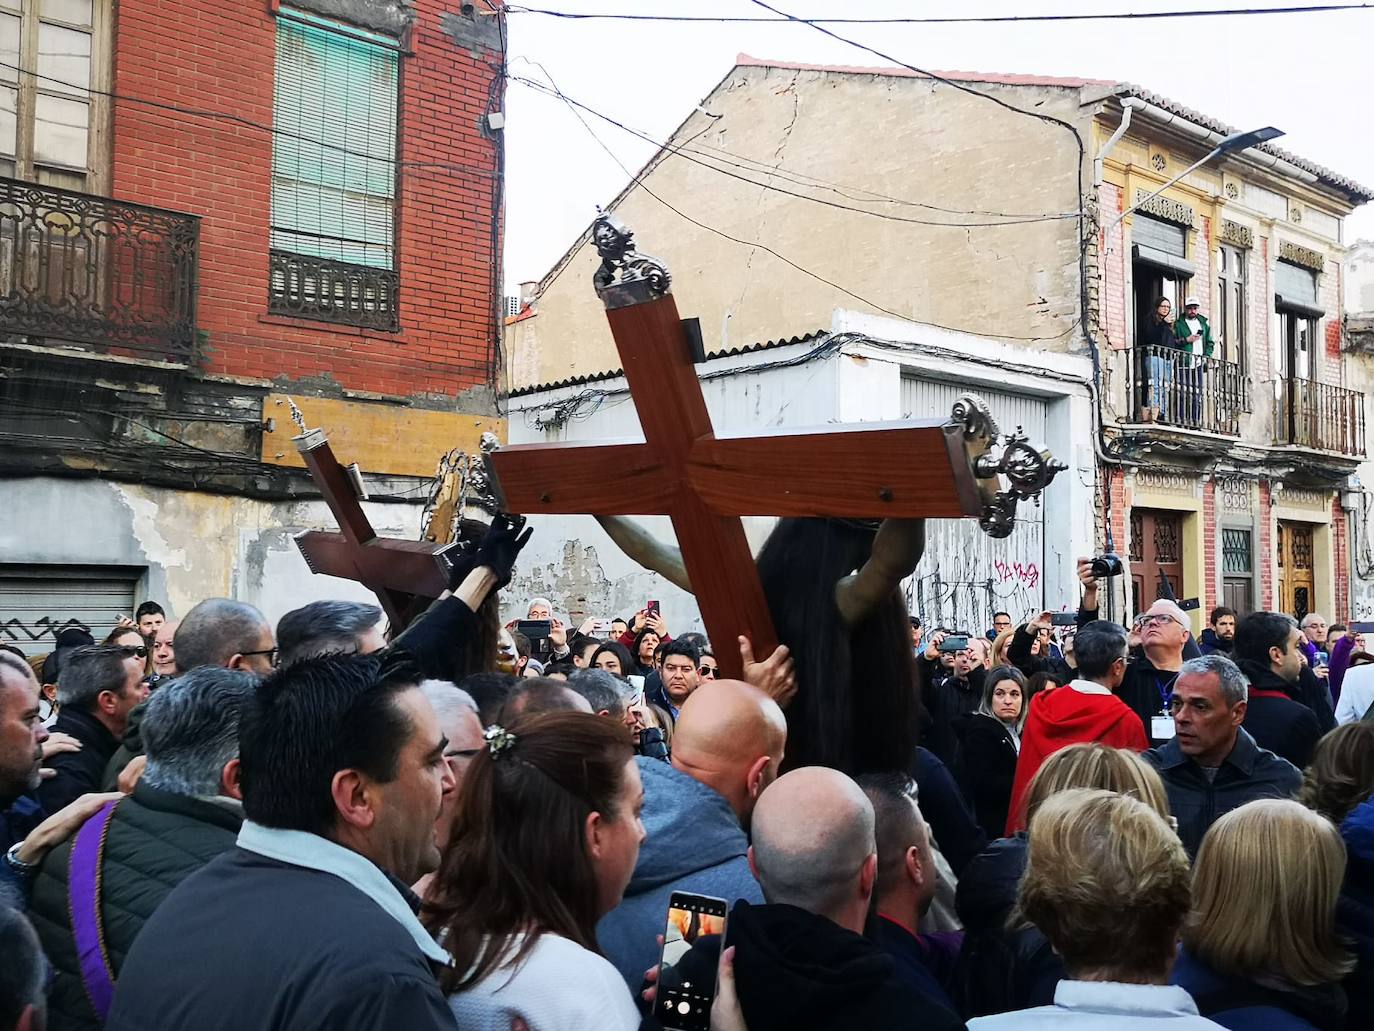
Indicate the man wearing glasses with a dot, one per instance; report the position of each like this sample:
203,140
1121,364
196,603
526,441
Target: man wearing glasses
1163,633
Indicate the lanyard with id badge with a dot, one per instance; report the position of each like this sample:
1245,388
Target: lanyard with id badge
1162,725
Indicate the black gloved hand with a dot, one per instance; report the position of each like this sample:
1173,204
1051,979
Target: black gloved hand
501,546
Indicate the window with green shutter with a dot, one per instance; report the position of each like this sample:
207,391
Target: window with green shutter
334,174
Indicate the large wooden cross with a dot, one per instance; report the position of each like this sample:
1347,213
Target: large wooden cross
932,468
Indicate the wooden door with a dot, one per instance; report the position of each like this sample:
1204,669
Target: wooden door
1237,568
1156,546
1296,578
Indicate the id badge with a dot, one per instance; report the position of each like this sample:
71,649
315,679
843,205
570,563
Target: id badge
1161,728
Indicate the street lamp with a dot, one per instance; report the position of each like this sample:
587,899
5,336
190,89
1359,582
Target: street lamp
1237,141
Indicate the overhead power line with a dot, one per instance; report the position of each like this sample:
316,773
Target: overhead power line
1217,12
552,89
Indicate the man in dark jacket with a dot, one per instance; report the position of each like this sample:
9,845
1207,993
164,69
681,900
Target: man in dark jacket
98,688
801,960
308,922
1212,765
727,748
1267,652
951,696
21,757
1220,634
184,812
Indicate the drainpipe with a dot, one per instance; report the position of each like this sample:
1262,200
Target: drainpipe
1128,104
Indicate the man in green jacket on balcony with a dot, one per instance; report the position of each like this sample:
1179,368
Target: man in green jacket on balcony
1193,332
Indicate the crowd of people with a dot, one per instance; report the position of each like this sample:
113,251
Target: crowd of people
214,823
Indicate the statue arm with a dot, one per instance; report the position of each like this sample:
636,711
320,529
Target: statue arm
897,548
642,546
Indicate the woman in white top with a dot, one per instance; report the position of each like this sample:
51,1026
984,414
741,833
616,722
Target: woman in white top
545,836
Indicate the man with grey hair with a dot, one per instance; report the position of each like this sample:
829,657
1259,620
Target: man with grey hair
462,727
228,633
323,627
1266,648
22,974
98,690
603,691
1212,765
125,860
815,856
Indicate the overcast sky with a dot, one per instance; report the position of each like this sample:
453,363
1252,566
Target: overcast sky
1307,74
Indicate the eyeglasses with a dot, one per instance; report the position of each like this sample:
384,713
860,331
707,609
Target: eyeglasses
707,671
131,650
1158,619
271,654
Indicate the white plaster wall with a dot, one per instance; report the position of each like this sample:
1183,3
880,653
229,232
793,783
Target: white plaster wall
190,545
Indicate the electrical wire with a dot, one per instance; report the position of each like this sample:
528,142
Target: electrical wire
698,160
955,20
553,90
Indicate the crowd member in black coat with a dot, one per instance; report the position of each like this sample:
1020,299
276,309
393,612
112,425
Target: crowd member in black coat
1266,650
957,834
801,959
98,688
308,922
951,696
1355,910
183,813
1000,968
991,746
1220,634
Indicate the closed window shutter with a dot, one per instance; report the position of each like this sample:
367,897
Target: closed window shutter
1295,284
334,152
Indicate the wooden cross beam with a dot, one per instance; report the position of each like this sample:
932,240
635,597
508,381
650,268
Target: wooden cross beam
399,572
705,483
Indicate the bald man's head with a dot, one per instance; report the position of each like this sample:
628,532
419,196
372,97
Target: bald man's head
730,736
813,845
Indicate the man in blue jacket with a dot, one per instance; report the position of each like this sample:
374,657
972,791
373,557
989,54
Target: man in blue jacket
1212,765
727,747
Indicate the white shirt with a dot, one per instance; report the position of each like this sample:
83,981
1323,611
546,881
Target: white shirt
1357,694
1088,687
1194,328
1109,1005
558,986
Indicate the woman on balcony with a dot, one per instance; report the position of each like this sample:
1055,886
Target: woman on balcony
1158,341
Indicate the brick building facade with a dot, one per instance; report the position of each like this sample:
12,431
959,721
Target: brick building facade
211,208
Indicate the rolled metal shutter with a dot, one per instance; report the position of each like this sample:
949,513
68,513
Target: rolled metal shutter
37,601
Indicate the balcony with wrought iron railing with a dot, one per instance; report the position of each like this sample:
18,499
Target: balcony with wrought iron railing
101,275
333,291
1180,390
1319,416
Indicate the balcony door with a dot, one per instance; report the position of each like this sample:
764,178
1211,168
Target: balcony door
1156,549
1297,583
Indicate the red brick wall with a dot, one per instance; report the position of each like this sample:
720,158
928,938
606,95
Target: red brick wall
1209,544
215,56
1268,564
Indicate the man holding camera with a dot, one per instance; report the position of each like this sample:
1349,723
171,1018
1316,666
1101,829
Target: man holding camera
1162,633
951,695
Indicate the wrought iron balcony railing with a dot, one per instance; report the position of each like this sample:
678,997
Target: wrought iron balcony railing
102,274
333,291
1319,416
1188,391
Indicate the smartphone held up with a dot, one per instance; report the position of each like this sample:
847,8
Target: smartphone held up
692,941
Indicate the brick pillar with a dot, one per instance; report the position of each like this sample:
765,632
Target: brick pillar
1340,547
1266,549
1209,542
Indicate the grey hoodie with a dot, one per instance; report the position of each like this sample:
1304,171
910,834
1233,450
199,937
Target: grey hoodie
694,843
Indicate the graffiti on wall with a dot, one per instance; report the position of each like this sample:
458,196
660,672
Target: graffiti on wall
40,628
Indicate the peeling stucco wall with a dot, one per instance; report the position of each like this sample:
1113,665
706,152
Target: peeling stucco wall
188,545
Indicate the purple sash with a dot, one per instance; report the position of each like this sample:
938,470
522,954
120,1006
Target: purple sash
83,895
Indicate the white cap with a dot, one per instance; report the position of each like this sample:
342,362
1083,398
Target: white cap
1192,301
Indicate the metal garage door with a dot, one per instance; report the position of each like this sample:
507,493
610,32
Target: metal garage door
965,575
38,601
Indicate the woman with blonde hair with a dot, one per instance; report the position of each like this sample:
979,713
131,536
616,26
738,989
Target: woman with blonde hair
1003,968
1260,947
1107,884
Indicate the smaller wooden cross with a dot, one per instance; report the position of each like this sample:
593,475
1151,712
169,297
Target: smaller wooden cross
399,572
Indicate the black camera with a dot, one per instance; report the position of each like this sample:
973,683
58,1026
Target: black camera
1105,566
652,745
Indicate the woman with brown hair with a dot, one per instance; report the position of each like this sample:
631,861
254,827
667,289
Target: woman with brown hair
1260,948
545,838
1341,773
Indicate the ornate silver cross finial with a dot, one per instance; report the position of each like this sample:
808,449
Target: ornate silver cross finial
625,276
296,415
1008,467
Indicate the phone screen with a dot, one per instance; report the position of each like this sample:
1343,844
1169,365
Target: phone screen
691,953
